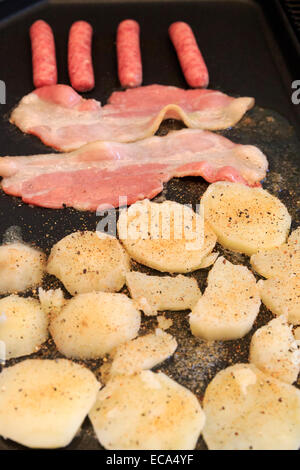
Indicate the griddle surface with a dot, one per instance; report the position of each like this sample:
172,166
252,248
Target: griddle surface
243,59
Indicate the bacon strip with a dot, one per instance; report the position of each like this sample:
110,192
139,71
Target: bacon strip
101,172
64,120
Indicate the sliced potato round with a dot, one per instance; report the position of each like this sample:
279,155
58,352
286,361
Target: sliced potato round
143,353
89,261
23,325
162,293
52,301
282,296
164,323
91,325
21,267
247,409
229,305
169,237
44,402
273,349
297,333
146,411
245,219
280,261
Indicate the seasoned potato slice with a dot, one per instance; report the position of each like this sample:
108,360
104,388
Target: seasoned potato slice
247,409
52,301
282,296
154,293
89,261
279,261
21,267
23,325
245,219
229,305
146,411
273,350
143,353
92,324
169,237
43,402
297,333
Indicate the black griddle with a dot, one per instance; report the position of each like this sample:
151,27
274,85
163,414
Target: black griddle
250,50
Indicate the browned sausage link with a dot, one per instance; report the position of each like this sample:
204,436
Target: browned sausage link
129,54
189,55
80,63
43,54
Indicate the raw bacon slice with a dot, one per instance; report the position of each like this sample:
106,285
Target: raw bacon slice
100,172
64,120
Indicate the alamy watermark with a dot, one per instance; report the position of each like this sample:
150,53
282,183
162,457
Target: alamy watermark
2,92
144,220
296,94
3,319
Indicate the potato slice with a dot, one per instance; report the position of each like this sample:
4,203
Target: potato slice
21,267
279,261
247,409
23,325
92,324
229,305
282,296
162,293
163,322
44,402
89,261
209,260
146,411
274,350
52,301
169,237
143,353
297,334
245,219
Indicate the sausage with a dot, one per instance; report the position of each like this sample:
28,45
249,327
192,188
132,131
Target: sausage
189,55
80,63
129,54
43,54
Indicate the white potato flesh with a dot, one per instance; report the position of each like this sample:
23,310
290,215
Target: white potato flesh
163,322
21,267
44,402
279,261
52,301
143,353
282,296
146,411
229,305
163,293
297,333
274,350
91,325
23,325
209,260
168,237
245,219
247,409
89,261
104,372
